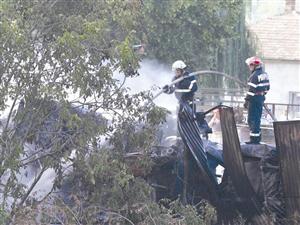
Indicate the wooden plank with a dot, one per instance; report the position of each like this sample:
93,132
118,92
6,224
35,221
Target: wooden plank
234,164
287,138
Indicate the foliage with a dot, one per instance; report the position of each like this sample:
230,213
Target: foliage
146,213
56,57
3,216
58,61
205,34
189,30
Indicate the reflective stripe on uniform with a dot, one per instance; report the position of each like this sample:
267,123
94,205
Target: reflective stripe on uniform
182,90
250,93
192,83
252,85
255,134
263,84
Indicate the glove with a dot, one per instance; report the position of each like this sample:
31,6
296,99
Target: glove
246,104
166,89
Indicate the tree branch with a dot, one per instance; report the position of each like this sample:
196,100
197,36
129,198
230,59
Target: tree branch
10,113
24,198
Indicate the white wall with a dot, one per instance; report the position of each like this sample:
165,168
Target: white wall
261,9
297,8
257,10
284,77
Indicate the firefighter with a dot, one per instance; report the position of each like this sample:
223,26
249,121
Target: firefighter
258,87
184,92
185,89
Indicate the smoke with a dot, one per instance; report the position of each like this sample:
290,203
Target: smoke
153,76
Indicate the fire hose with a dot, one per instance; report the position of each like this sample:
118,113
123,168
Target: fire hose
202,72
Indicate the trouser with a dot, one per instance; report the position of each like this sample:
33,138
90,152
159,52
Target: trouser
190,102
193,106
254,116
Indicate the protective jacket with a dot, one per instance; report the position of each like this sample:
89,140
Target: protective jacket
185,89
259,85
258,82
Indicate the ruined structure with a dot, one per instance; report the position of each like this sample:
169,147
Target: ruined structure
257,181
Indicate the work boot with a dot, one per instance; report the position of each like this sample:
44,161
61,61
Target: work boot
254,140
252,143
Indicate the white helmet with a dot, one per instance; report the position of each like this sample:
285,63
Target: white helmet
179,64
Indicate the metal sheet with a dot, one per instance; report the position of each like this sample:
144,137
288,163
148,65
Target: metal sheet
190,134
236,169
287,137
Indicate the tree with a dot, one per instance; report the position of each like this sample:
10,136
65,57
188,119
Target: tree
205,34
57,56
188,30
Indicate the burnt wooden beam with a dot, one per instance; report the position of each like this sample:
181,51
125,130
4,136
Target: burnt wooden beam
251,207
287,138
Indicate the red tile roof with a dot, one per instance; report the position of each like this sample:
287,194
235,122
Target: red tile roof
278,37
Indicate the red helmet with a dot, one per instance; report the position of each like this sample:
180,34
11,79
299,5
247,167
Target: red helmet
253,61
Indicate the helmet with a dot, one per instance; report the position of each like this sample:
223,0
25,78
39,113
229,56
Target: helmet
253,61
179,64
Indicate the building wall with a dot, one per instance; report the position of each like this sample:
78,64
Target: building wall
284,77
257,10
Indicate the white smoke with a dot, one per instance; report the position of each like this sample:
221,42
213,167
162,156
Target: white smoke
153,76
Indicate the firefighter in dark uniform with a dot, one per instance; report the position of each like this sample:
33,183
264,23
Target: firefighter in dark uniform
185,89
184,92
259,85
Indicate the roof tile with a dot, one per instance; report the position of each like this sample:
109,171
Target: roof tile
278,37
